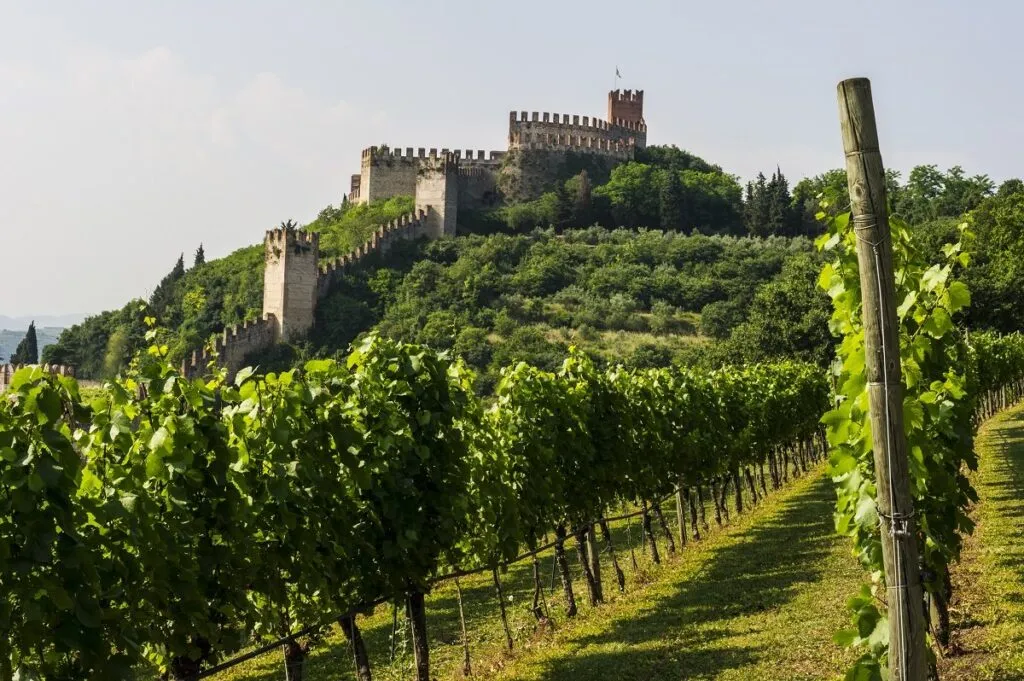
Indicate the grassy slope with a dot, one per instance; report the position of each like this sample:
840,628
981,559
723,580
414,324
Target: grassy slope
988,609
757,600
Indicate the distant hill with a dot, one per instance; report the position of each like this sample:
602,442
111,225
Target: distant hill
9,338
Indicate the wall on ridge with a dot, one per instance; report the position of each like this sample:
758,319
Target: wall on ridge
387,172
232,346
539,130
407,227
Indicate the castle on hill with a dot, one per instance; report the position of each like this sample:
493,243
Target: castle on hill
541,146
538,145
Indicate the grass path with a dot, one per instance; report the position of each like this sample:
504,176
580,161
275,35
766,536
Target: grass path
760,600
988,606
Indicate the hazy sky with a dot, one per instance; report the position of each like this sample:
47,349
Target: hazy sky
132,130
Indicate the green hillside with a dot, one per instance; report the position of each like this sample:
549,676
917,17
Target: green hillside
700,270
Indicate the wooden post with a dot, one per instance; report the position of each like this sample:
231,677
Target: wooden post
866,179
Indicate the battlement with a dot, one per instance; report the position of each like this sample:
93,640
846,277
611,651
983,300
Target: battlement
627,96
231,347
573,121
407,227
280,237
7,372
626,107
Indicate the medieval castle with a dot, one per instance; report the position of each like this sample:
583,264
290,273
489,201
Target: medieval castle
444,182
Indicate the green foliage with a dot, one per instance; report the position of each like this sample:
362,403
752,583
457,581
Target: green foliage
708,201
527,295
788,317
204,300
941,386
178,520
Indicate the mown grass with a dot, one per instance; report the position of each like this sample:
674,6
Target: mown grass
759,599
988,607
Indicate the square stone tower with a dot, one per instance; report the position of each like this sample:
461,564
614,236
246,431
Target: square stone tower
626,105
437,193
290,281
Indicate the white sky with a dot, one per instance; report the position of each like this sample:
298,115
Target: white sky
133,130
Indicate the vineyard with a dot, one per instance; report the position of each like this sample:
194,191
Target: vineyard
167,527
170,523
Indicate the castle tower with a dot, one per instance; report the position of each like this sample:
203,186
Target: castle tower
437,193
289,281
626,105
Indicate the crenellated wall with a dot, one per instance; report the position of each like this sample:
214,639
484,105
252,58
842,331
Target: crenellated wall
7,372
555,132
392,171
407,227
232,346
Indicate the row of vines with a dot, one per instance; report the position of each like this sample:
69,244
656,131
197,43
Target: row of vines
952,380
169,523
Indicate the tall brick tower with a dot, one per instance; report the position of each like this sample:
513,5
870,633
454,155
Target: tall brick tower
290,281
626,106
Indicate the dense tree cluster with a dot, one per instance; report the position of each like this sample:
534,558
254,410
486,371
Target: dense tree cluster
619,294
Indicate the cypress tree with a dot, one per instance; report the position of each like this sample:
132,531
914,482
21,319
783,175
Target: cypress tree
27,351
200,258
672,203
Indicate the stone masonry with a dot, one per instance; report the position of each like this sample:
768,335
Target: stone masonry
387,172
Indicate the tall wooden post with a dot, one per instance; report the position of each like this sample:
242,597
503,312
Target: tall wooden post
866,179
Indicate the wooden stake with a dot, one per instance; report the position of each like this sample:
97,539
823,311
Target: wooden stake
467,668
866,179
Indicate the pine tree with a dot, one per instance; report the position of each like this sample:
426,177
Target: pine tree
163,295
27,351
673,203
200,258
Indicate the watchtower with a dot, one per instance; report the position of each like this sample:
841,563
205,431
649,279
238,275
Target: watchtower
437,193
289,281
626,106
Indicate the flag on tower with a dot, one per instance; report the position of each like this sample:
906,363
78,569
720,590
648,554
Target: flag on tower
617,74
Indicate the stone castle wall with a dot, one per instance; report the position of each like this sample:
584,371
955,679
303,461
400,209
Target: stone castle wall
392,171
232,346
406,228
552,131
7,372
